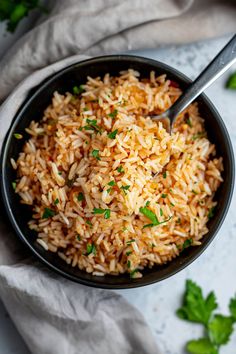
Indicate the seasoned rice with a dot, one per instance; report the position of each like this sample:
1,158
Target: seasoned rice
112,191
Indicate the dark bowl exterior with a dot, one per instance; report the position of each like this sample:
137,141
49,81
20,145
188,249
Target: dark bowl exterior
33,107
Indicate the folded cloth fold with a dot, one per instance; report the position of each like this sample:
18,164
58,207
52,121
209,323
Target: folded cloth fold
105,26
55,315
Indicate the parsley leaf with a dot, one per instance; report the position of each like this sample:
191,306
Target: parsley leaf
18,136
106,212
231,83
211,213
130,241
13,11
56,201
232,308
80,197
128,253
187,243
90,248
125,188
113,114
195,308
88,222
112,135
120,169
152,217
164,174
48,213
189,122
78,89
201,346
95,153
13,185
164,195
111,183
220,329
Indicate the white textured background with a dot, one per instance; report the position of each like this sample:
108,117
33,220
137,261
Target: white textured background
215,269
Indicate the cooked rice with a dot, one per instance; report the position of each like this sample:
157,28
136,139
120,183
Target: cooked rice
69,153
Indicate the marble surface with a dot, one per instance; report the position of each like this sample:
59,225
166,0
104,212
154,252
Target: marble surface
215,269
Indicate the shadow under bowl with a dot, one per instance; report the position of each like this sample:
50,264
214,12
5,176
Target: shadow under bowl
33,107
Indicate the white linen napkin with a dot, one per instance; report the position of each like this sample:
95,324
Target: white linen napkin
53,314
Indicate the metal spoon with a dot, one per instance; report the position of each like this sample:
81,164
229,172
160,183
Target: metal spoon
221,63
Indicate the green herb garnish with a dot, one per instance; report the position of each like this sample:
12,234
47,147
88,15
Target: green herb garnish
164,195
111,183
13,185
161,212
88,222
106,212
125,188
189,122
147,203
95,153
211,213
152,217
48,213
80,197
128,253
90,248
92,125
231,83
13,11
130,241
164,174
217,327
198,135
128,264
112,135
78,237
187,243
113,114
133,273
194,192
56,201
120,169
77,90
18,136
172,204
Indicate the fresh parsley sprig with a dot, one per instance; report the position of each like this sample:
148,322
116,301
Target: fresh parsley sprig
218,328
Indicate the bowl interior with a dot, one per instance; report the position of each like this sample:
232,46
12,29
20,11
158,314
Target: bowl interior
32,109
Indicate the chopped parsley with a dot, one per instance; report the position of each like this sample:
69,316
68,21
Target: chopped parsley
90,248
85,109
129,264
133,273
161,212
130,241
231,83
147,203
88,222
217,327
164,174
125,188
189,122
13,185
111,183
128,253
77,90
92,125
95,153
120,169
164,195
106,212
48,213
18,136
56,201
199,135
152,217
78,237
172,204
113,114
211,213
112,135
80,197
187,243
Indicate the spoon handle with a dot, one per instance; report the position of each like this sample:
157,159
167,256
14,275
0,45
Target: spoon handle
221,63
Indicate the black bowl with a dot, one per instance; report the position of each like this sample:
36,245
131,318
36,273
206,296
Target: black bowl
33,108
